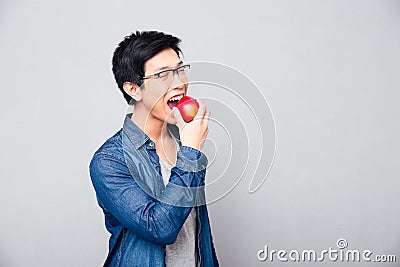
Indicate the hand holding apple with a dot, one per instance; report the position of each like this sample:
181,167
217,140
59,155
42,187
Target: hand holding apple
193,133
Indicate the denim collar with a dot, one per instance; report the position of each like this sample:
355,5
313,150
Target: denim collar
138,137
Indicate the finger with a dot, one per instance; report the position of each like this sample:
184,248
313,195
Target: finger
178,117
202,109
207,114
206,117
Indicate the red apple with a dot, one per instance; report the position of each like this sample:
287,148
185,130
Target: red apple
188,108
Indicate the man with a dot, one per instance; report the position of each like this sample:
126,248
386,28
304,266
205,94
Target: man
149,176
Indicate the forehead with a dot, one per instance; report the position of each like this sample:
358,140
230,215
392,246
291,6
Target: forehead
167,58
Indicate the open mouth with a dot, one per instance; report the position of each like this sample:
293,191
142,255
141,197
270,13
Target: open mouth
173,100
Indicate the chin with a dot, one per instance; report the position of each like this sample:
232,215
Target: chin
170,120
168,117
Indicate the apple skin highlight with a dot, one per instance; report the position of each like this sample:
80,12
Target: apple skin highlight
188,108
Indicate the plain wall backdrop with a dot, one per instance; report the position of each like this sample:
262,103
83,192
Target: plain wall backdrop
330,73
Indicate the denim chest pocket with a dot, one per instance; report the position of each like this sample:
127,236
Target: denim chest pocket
142,169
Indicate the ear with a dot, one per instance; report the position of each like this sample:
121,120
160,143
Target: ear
133,90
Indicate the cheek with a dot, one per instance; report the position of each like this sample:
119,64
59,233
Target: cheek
158,106
153,99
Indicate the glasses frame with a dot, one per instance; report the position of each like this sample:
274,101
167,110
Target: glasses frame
174,71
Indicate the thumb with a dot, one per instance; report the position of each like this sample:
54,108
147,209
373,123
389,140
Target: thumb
178,116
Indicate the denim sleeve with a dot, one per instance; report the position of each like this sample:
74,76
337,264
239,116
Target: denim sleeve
156,220
191,159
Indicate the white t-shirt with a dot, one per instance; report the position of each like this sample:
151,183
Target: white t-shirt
183,251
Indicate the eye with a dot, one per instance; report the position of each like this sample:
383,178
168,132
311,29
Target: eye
183,71
163,75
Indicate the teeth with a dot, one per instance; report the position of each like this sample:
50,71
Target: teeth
176,98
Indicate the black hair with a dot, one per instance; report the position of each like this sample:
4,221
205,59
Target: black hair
133,52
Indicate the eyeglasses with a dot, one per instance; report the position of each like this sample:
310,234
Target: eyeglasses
167,76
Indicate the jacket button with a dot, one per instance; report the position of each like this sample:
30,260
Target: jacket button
151,144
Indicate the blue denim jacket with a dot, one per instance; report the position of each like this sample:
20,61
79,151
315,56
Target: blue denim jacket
141,213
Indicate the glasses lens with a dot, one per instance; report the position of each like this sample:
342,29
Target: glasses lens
165,75
183,72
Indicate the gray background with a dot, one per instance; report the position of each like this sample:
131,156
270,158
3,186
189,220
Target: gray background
327,68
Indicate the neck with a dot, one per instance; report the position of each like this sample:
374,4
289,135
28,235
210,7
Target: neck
154,128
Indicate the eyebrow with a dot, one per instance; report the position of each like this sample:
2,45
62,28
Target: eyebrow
168,67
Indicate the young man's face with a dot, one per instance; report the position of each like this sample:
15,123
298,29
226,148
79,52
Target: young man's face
155,92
